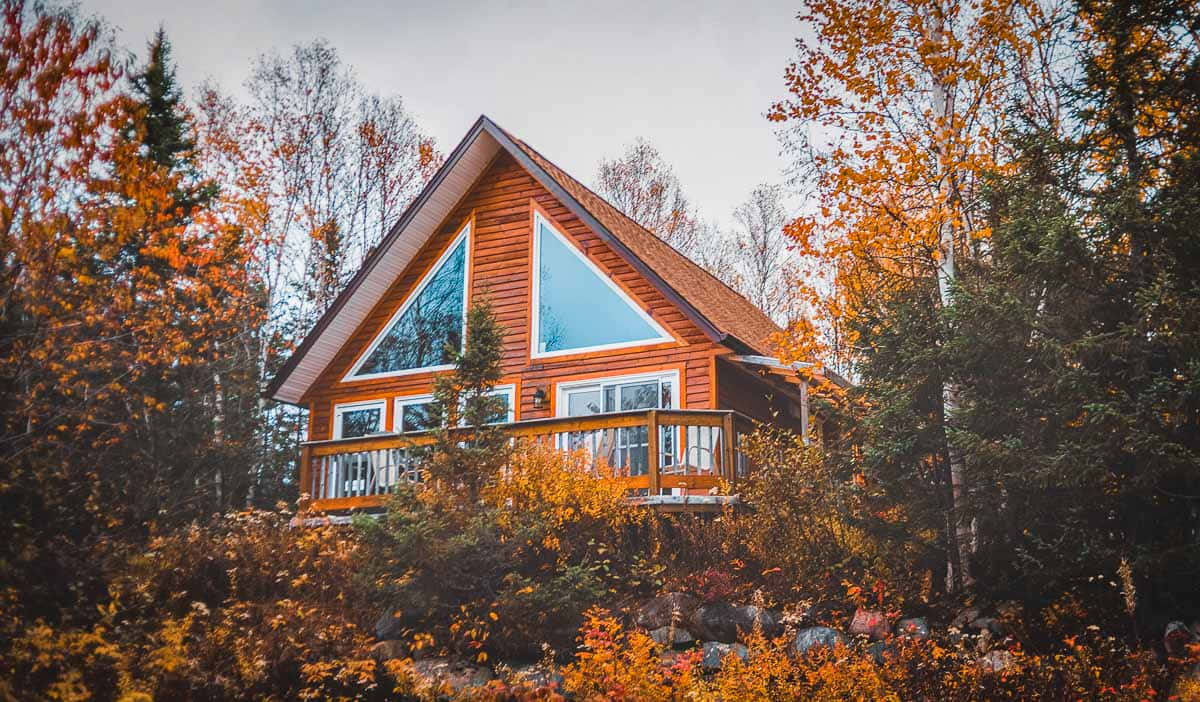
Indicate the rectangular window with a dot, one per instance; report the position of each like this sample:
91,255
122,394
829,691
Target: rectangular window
358,419
415,413
627,450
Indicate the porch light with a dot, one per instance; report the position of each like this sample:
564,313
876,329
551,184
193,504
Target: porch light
539,398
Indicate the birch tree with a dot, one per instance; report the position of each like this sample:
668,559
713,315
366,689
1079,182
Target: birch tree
896,109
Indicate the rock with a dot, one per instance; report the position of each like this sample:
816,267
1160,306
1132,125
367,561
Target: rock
452,673
717,621
989,624
767,621
1176,638
389,626
387,650
672,636
715,654
818,636
673,607
538,676
723,622
913,628
997,661
870,623
881,651
964,618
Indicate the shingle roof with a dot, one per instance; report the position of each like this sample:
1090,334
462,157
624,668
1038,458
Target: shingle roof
724,315
720,304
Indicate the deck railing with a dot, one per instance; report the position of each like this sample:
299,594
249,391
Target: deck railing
654,452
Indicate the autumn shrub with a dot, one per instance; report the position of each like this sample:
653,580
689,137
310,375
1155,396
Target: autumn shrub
238,608
510,573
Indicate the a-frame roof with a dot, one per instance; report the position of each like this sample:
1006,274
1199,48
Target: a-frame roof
724,315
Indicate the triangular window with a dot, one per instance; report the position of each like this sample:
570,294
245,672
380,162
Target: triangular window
576,306
429,326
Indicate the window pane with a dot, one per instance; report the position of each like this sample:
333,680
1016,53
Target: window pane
610,398
582,402
417,417
503,407
576,308
431,328
360,422
666,395
639,396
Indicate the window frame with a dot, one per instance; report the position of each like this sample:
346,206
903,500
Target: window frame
398,404
562,388
463,236
535,276
341,409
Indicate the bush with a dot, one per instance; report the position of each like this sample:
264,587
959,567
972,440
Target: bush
511,573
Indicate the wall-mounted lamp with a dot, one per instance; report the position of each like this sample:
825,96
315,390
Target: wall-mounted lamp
539,398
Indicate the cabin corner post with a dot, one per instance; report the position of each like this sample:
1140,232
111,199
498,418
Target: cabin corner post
728,455
652,461
305,477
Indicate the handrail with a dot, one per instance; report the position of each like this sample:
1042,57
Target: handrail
692,449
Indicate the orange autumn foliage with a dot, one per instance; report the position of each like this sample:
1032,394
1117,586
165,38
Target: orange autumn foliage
896,112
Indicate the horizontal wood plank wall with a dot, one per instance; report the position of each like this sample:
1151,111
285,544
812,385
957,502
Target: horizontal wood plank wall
500,269
742,390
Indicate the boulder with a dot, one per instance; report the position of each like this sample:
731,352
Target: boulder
997,661
390,625
870,623
673,607
715,654
881,651
768,621
717,621
452,673
818,637
913,628
723,622
672,636
965,618
387,650
1176,638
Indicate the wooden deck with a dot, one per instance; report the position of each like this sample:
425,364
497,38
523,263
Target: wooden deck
672,460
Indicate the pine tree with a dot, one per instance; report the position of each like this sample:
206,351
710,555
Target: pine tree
471,449
161,123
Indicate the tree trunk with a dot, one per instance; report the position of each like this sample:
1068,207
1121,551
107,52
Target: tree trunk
942,96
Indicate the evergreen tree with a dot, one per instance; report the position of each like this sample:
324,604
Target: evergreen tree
471,449
161,123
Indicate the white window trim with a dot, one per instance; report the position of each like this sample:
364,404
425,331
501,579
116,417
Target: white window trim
536,275
561,389
465,233
399,404
339,410
508,390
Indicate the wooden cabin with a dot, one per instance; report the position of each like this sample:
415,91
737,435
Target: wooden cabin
614,342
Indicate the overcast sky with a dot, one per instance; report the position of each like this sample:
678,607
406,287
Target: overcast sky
578,81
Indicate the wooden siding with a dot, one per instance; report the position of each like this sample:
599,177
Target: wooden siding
500,206
745,391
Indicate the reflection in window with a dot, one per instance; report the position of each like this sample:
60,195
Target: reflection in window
417,416
430,328
361,422
577,309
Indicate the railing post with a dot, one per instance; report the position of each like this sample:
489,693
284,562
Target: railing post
652,452
305,477
727,453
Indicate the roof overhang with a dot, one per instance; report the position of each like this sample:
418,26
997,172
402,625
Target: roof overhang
465,164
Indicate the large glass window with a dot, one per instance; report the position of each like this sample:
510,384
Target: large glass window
429,327
577,307
624,448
